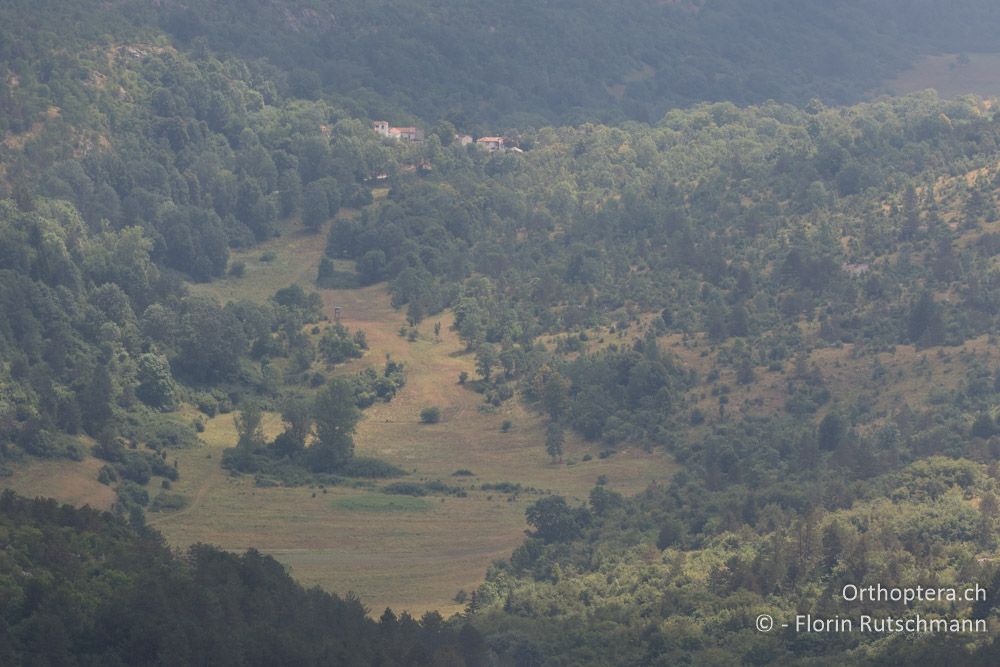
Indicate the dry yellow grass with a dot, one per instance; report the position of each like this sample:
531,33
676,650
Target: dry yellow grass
67,481
979,76
409,560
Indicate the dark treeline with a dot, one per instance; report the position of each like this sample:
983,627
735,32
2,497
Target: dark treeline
83,588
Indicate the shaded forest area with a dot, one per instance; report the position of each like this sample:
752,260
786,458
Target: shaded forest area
83,588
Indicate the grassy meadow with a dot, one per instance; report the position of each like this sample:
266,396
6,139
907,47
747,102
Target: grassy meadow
400,551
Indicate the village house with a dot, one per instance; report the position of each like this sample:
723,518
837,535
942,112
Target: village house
406,133
490,143
383,128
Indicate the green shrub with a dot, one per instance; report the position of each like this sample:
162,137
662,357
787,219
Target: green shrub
370,468
405,489
431,415
168,502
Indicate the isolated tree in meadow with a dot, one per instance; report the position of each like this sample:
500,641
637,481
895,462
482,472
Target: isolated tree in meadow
336,417
430,415
297,415
554,440
249,432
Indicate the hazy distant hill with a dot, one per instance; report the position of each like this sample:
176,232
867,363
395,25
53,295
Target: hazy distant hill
522,62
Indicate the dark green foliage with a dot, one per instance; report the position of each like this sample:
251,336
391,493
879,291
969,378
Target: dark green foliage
317,439
554,439
984,426
297,415
371,267
555,521
405,489
249,433
209,340
336,417
832,431
366,467
418,489
430,415
924,324
156,387
330,278
135,603
95,400
315,206
433,64
502,487
670,533
370,385
168,502
338,345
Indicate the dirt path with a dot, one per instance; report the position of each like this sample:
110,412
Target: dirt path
207,484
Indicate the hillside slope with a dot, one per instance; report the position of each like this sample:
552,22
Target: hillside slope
530,63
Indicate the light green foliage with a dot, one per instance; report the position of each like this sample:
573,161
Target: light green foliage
156,386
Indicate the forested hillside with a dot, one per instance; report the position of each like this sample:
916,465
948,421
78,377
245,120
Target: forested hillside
484,66
531,63
796,303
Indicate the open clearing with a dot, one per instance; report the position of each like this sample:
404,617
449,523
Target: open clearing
951,75
67,481
408,553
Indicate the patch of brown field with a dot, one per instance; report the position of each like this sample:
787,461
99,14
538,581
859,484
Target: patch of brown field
17,142
73,482
950,78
